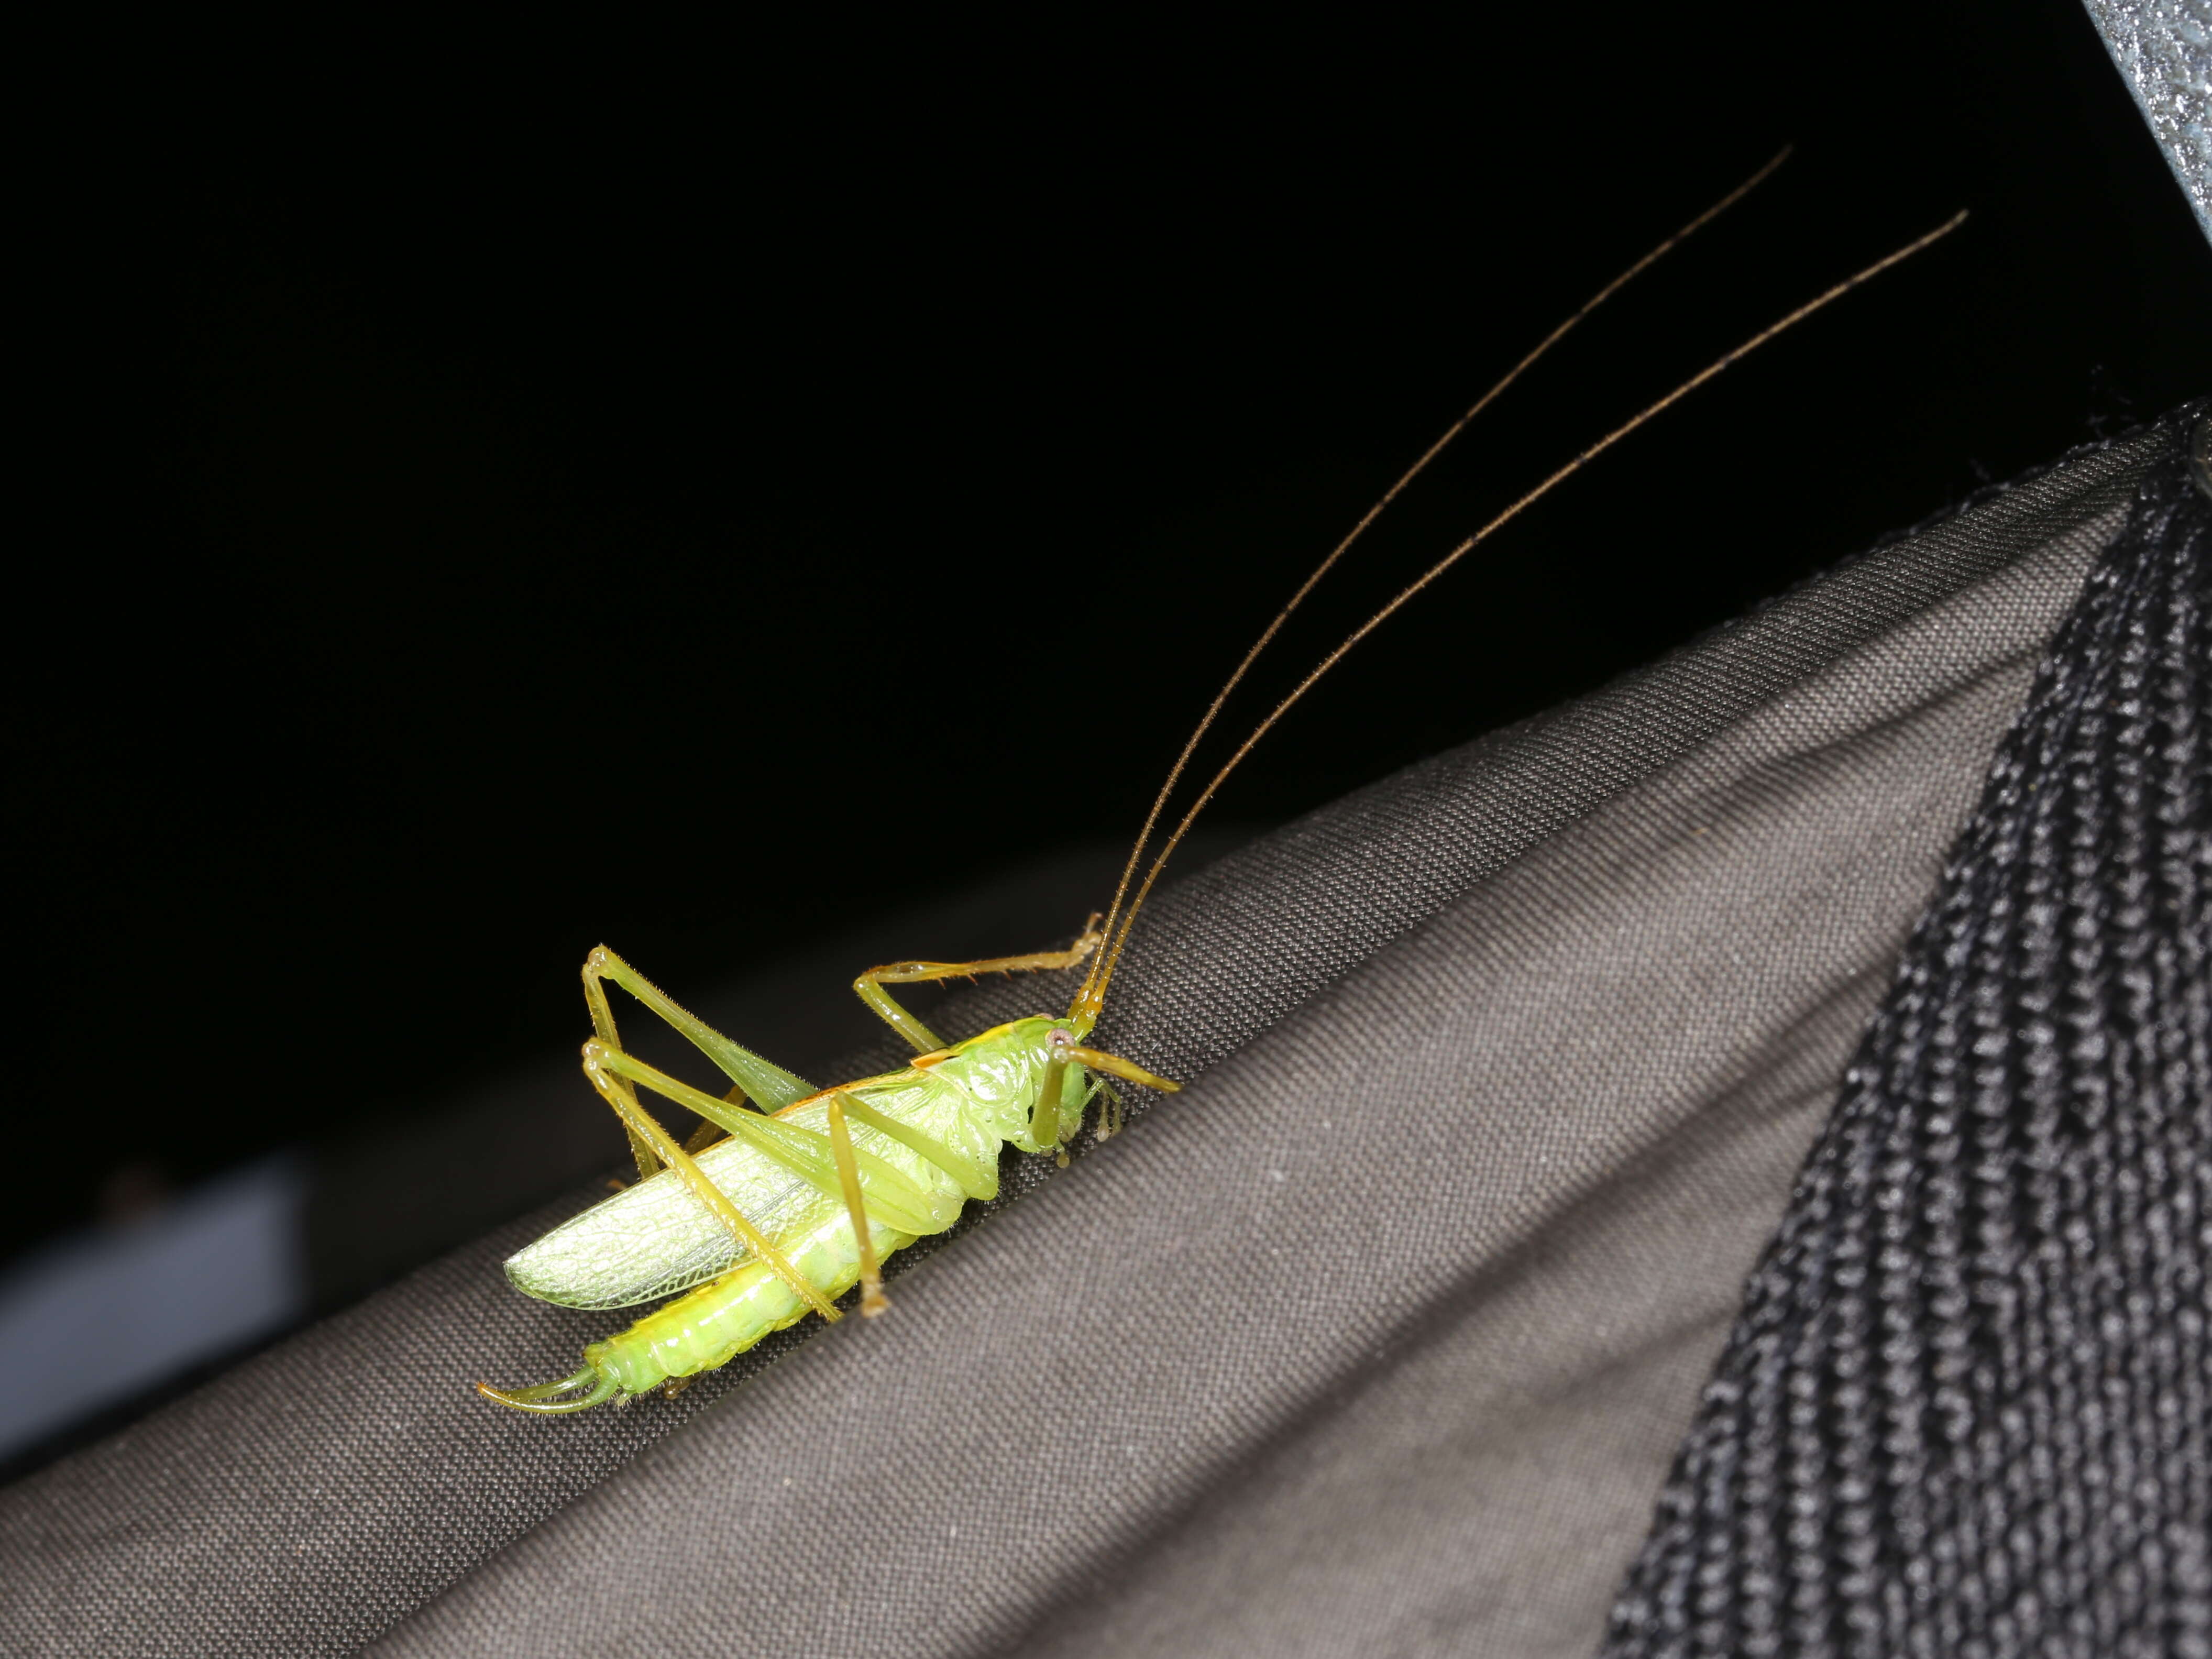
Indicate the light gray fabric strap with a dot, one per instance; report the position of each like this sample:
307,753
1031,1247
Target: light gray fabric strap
2164,52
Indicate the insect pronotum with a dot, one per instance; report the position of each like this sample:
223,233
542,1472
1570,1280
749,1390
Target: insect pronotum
789,1195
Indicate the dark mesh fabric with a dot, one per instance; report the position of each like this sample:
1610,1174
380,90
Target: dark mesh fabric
1967,1409
1379,1337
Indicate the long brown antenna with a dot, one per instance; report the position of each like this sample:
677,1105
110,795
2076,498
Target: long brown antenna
1103,975
1205,721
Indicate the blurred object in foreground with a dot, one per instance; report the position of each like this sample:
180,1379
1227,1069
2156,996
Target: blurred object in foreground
108,1313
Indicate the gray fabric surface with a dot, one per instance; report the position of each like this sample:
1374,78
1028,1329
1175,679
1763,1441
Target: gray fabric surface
1379,1337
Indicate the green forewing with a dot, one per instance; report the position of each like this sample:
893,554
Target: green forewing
656,1238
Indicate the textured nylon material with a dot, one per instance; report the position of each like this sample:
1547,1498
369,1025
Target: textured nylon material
1967,1408
1381,1336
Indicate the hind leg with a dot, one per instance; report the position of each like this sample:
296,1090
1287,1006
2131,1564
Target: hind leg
652,1142
756,1078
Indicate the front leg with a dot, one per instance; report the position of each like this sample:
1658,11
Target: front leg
869,987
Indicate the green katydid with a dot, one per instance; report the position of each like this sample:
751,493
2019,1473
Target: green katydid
791,1196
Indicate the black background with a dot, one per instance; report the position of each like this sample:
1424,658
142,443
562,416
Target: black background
700,489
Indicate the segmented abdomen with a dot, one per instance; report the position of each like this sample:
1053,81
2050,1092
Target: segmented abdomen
718,1322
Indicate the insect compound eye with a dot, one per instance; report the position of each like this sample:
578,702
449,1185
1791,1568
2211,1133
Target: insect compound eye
1059,1039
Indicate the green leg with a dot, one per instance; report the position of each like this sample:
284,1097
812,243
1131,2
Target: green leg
869,986
755,1077
810,1154
652,1140
872,1299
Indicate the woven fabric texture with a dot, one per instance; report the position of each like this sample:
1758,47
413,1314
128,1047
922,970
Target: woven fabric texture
1967,1409
1378,1338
